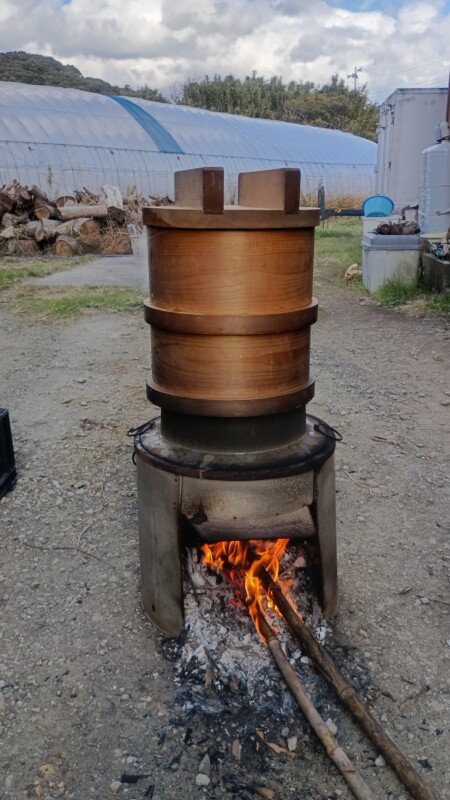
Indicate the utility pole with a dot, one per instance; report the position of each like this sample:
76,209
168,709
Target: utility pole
354,75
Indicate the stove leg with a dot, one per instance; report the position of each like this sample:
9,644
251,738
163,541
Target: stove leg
161,578
325,506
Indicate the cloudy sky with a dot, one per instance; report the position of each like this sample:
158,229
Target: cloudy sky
163,42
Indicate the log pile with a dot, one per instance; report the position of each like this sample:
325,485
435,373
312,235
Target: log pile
32,224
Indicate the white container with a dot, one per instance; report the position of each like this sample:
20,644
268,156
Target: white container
139,245
387,258
434,194
370,223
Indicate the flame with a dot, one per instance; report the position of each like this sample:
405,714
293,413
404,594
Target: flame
241,563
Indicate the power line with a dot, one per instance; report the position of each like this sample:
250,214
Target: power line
436,80
381,95
411,64
418,66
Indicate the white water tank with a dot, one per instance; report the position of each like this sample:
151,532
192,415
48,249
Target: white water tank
434,193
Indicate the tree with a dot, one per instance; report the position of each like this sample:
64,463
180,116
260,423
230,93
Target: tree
333,105
147,93
46,71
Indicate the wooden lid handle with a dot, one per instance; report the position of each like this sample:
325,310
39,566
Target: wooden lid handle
277,189
200,188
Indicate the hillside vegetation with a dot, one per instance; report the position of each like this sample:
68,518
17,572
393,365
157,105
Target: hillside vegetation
47,71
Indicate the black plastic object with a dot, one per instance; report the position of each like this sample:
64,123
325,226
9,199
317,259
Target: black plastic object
8,474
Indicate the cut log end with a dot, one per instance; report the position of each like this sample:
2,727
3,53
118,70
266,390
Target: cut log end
66,200
47,211
65,246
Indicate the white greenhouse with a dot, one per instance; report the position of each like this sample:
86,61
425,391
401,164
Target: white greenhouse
65,139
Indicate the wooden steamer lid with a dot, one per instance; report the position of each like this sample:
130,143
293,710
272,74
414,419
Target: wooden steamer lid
231,303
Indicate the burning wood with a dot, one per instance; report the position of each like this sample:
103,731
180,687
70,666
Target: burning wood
241,561
253,567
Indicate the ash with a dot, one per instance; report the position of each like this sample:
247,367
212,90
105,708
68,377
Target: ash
221,664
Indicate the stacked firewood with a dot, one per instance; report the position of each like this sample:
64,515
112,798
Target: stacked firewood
72,224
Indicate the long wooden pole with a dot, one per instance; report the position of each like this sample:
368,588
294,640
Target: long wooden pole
333,748
384,744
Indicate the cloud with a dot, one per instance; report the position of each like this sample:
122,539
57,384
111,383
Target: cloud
417,18
163,42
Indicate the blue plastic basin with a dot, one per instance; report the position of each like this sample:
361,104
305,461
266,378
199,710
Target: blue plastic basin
377,206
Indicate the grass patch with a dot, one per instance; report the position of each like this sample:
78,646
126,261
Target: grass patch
338,245
413,298
15,270
48,303
57,303
440,303
396,293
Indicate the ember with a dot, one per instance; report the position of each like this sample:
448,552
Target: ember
242,563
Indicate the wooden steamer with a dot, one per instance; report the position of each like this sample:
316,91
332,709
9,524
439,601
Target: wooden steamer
234,455
231,299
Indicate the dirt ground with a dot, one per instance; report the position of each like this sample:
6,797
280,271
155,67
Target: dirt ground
88,688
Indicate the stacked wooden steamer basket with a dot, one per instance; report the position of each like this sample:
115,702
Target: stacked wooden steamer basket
230,309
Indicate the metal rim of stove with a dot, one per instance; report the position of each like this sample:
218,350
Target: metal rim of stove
308,453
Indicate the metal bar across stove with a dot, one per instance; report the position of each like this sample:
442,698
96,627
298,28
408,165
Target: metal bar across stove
297,524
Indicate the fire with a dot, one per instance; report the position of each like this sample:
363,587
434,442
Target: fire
243,563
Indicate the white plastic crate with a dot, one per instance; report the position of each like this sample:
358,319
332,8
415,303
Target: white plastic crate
387,258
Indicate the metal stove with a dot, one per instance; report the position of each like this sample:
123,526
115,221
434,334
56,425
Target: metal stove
234,455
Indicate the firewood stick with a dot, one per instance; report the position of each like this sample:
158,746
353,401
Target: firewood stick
253,788
384,744
333,748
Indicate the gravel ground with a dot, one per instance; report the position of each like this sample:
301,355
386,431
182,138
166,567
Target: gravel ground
90,692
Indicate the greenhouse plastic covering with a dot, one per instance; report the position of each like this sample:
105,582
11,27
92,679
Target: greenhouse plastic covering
65,139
